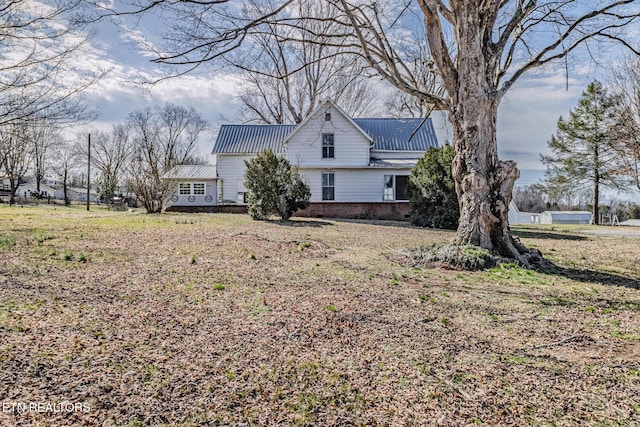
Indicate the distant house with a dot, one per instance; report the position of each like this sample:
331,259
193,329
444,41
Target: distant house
195,188
52,182
29,190
77,194
565,217
354,167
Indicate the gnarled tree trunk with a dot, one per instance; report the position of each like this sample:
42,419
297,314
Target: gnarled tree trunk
483,182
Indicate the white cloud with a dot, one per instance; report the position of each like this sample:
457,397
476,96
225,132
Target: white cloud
139,40
528,114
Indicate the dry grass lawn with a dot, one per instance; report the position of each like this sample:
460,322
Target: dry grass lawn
202,320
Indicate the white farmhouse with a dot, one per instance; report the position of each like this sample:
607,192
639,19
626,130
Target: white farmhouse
356,168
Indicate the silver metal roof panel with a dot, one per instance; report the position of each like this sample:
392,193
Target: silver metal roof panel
250,139
396,134
192,172
388,134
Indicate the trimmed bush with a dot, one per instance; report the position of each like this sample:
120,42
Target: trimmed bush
433,198
274,187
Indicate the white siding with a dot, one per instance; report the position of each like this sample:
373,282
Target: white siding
565,217
210,189
358,185
231,172
29,188
517,217
355,181
352,148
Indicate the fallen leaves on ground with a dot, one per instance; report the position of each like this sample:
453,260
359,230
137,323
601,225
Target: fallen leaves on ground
220,320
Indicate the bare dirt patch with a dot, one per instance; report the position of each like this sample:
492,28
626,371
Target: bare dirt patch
219,320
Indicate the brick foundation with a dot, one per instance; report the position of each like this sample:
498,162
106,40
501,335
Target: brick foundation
389,211
239,209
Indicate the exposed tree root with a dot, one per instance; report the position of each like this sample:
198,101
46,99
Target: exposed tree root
529,258
469,257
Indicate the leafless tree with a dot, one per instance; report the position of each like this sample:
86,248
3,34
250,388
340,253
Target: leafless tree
531,198
404,104
44,136
65,156
492,44
162,138
40,42
110,154
625,83
16,149
290,71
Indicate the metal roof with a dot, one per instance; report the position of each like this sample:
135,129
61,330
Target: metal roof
388,134
192,172
393,163
249,139
568,214
394,134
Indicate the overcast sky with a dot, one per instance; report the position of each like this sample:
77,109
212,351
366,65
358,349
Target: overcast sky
527,116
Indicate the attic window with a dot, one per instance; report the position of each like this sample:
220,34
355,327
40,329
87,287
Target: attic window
327,116
327,146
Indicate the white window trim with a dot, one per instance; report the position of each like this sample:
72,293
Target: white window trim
184,186
332,146
392,188
204,188
322,186
191,188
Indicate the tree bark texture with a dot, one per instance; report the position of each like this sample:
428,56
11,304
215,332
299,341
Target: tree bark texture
483,182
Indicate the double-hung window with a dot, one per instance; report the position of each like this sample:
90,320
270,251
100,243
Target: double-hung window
396,187
328,186
328,147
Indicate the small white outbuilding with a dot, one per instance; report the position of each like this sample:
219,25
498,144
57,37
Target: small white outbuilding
517,217
565,217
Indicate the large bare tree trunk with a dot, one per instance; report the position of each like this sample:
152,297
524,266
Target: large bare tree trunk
483,182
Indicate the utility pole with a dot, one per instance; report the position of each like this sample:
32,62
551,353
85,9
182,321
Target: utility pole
89,172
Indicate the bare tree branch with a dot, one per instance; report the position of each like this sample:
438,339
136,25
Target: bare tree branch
40,42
